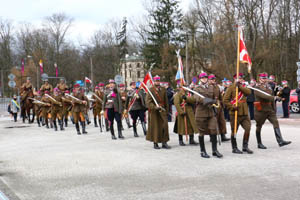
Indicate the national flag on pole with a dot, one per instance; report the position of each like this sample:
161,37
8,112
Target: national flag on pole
56,69
41,66
244,56
87,80
22,66
148,81
179,74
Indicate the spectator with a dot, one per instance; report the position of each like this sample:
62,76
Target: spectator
14,108
285,95
170,93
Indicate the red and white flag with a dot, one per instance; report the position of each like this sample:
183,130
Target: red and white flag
56,69
87,80
148,81
244,55
41,66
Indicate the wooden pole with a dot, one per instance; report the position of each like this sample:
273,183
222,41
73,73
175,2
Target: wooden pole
185,123
236,86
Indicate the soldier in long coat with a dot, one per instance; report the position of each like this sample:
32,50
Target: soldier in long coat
38,107
265,109
56,109
46,107
112,105
185,119
123,94
205,116
220,112
158,131
78,109
242,112
97,106
137,109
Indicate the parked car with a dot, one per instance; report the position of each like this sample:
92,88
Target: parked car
294,107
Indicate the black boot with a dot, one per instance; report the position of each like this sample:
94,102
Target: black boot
245,147
128,122
46,123
95,121
234,146
192,141
107,125
55,125
215,151
100,125
120,131
259,143
180,138
224,138
83,128
38,122
77,128
144,128
155,146
112,131
165,146
66,122
61,124
51,124
202,147
279,139
134,130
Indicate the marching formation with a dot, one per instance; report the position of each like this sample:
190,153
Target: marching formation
202,109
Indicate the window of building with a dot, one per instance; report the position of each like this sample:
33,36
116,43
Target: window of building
138,74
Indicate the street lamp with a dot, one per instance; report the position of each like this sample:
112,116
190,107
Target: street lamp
91,64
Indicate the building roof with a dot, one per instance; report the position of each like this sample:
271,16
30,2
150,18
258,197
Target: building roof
133,58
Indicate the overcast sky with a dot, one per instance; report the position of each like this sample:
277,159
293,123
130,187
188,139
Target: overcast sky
89,15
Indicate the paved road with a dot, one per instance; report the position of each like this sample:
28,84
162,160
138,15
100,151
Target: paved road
40,164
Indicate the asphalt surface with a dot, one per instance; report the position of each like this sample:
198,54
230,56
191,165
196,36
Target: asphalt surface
40,164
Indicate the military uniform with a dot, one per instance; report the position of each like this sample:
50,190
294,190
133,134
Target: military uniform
242,114
97,107
26,88
125,115
38,109
78,111
62,87
46,110
56,111
67,106
184,103
46,87
265,109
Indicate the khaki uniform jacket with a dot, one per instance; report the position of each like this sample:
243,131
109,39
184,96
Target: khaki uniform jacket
266,102
62,87
57,104
230,95
179,126
46,87
78,106
201,110
26,88
157,121
117,103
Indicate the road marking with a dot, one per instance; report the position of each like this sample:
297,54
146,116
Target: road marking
3,196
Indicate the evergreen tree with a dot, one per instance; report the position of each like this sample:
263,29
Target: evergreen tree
122,38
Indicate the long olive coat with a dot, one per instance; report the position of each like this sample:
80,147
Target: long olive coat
187,107
158,131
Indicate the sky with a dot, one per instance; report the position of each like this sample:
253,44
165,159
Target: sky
88,15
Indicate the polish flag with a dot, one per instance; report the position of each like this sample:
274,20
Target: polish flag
147,81
41,66
87,80
56,69
244,55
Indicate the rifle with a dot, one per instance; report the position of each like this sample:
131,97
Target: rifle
97,97
76,99
59,103
39,102
150,93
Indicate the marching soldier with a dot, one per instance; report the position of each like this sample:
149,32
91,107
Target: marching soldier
46,87
37,107
185,120
62,86
79,106
242,112
220,113
97,106
205,116
135,102
113,106
67,106
123,94
26,88
265,109
158,131
46,107
56,109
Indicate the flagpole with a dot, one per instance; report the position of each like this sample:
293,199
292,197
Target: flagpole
236,86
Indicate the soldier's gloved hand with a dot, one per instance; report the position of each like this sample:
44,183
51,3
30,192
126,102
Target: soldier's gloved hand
184,97
235,108
208,101
158,108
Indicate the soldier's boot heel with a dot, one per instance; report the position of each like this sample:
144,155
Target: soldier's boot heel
155,146
66,122
99,121
202,148
112,131
38,122
61,123
165,146
234,146
192,141
77,128
180,138
144,128
55,125
246,148
120,131
95,122
224,138
259,143
279,139
214,147
134,130
83,128
128,122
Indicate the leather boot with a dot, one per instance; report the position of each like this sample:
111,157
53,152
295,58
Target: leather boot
77,128
134,130
100,125
61,124
83,128
202,147
95,122
38,122
165,146
144,128
112,131
192,141
234,146
120,131
180,138
66,122
215,151
259,143
155,146
279,138
245,148
128,122
224,138
106,125
46,123
55,125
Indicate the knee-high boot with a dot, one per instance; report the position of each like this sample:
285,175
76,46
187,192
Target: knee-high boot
144,128
77,128
180,139
95,122
134,130
245,144
120,130
259,142
202,147
55,125
215,151
279,139
234,146
100,125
